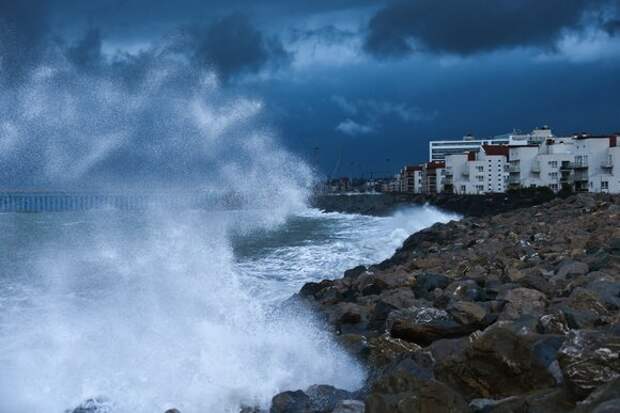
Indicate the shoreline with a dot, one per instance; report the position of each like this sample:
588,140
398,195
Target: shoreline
509,311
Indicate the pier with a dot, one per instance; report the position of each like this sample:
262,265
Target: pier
43,201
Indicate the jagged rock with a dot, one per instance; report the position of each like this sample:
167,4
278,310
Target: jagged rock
172,411
544,401
605,396
467,290
355,272
499,362
355,344
607,291
572,269
423,325
427,282
583,309
95,405
324,398
291,402
384,350
349,406
522,301
468,313
589,359
408,388
348,313
554,323
311,289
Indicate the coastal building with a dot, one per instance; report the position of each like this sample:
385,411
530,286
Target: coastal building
546,164
478,172
438,150
411,179
595,164
433,174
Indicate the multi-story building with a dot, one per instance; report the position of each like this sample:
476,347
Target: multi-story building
411,179
594,164
546,164
478,172
438,150
433,174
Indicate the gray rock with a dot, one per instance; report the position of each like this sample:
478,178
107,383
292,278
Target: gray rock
589,359
572,269
522,301
291,402
349,406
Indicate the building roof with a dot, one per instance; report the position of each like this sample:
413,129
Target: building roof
411,168
496,150
435,164
586,136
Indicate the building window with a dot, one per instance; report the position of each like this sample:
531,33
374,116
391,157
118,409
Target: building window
480,178
553,164
553,175
480,168
604,185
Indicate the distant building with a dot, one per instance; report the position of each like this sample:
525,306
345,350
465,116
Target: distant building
438,150
433,174
411,179
478,172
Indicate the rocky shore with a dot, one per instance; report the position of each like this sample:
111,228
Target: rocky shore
514,312
467,205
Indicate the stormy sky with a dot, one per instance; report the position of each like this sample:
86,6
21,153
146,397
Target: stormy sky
352,86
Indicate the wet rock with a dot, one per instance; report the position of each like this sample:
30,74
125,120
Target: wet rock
355,272
311,289
605,396
572,269
423,325
347,313
554,323
354,344
589,359
324,398
384,350
409,388
583,309
427,282
468,313
522,301
95,405
291,402
497,363
466,290
543,401
349,406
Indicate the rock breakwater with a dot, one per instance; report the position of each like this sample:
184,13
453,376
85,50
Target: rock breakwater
518,311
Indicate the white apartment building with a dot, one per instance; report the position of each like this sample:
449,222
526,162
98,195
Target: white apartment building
547,164
596,164
438,150
479,172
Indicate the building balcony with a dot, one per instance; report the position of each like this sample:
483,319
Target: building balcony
580,165
536,167
466,172
514,169
607,164
566,166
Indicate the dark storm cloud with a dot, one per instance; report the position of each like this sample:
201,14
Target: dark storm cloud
23,36
86,53
233,45
467,27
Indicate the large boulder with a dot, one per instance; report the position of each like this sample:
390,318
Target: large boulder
424,324
589,359
324,398
522,301
583,309
407,387
291,402
500,362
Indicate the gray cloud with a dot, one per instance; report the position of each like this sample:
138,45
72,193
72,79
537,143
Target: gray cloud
467,27
233,45
352,128
23,37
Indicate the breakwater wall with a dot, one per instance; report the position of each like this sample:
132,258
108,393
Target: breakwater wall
467,205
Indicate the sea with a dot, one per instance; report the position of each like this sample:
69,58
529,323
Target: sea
142,311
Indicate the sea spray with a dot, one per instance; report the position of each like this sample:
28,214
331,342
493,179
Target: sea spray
144,309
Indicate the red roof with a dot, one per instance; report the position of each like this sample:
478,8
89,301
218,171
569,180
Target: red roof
435,165
495,150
